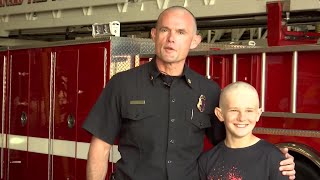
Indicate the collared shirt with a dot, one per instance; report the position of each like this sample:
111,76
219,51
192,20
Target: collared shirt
160,128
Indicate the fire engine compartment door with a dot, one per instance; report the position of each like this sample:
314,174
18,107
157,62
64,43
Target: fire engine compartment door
65,104
3,75
38,119
19,113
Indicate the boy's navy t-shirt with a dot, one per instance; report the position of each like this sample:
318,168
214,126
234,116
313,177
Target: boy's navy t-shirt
259,161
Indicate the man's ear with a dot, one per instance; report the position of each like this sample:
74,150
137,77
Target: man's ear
218,113
153,33
195,41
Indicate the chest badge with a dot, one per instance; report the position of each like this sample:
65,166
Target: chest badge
201,103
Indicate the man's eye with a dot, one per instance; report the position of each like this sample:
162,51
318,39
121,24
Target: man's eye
163,30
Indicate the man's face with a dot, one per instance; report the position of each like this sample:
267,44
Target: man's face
174,36
240,112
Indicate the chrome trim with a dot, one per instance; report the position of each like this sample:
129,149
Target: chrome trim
105,63
258,50
294,82
51,113
287,132
291,115
4,85
63,43
303,150
263,81
234,68
208,61
9,114
53,110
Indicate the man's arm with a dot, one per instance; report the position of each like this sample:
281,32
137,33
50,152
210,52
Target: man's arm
287,165
98,156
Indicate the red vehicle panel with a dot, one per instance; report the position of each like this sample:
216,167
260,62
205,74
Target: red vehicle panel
38,124
91,80
18,118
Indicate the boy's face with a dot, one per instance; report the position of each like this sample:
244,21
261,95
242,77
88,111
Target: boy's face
239,112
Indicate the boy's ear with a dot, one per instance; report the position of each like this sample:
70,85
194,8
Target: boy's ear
218,113
259,114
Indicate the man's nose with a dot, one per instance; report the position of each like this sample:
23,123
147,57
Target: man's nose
171,37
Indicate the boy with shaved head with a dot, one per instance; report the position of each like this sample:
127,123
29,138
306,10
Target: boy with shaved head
241,155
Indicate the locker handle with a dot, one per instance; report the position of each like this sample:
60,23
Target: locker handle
71,121
15,162
23,118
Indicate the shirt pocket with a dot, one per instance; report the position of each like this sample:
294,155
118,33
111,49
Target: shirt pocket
135,127
199,120
136,114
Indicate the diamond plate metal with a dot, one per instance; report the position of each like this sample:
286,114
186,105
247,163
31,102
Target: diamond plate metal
124,51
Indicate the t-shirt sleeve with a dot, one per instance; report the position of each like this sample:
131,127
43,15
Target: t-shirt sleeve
217,132
202,162
104,118
275,157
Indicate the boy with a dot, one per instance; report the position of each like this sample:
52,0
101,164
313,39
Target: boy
241,156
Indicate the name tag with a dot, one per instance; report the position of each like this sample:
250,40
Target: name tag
138,102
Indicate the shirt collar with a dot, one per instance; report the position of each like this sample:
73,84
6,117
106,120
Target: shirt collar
154,73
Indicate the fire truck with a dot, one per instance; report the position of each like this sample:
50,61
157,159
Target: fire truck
48,90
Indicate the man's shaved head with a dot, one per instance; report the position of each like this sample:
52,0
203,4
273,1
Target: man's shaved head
173,8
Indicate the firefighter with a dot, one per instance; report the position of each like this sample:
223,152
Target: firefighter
239,110
158,112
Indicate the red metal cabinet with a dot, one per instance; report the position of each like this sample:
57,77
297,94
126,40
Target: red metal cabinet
64,116
4,109
39,113
18,114
91,81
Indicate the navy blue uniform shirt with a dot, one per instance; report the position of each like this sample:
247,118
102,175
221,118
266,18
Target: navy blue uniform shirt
160,126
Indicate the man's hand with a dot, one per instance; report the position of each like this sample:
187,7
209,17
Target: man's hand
287,165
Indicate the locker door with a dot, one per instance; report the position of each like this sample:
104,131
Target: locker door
65,104
3,107
18,115
39,114
91,82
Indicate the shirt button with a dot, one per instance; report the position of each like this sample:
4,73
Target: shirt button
172,120
169,162
173,100
172,141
